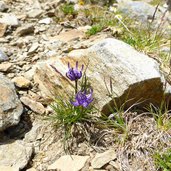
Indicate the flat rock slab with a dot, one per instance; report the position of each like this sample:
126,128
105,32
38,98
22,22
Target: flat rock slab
129,75
15,154
103,158
33,105
5,67
71,162
21,82
9,19
10,106
31,169
25,30
69,35
8,168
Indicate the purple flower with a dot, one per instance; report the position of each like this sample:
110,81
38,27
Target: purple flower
73,73
83,99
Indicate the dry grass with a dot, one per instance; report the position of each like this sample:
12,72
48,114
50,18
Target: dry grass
143,140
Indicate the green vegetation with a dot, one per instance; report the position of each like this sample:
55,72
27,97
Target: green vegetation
161,115
66,115
72,111
94,29
68,9
163,160
142,41
156,2
116,119
142,37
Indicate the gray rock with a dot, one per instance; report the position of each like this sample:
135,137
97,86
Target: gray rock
103,158
21,82
33,105
3,56
9,19
169,4
33,48
25,30
5,67
35,133
70,35
73,162
3,6
10,106
133,75
30,73
72,1
45,21
34,13
15,154
137,9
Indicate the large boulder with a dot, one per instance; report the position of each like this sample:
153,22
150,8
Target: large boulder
112,65
10,106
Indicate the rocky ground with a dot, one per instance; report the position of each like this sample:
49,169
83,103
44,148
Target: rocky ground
37,33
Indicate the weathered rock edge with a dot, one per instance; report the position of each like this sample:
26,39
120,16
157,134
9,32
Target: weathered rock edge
10,106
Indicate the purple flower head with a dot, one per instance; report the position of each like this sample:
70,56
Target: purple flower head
73,73
83,99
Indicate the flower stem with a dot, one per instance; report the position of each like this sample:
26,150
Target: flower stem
76,86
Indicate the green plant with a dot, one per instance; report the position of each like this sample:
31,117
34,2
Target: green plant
100,16
70,111
94,29
68,9
156,2
163,160
116,119
161,115
142,41
65,114
142,37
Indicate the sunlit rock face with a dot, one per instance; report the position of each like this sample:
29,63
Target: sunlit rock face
117,72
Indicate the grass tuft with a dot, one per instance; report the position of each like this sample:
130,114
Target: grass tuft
68,9
94,30
66,116
161,115
163,160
